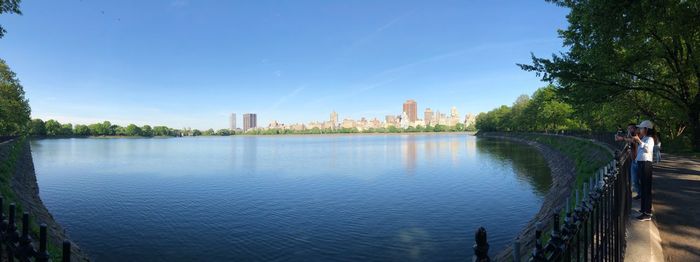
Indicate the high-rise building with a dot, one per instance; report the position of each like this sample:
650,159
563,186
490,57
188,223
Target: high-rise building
232,122
428,116
334,119
410,107
454,113
250,121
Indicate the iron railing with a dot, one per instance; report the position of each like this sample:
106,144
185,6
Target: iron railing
593,230
20,247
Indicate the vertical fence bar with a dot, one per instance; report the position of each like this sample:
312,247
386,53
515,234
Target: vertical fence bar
11,233
481,247
43,254
66,251
25,249
516,250
3,226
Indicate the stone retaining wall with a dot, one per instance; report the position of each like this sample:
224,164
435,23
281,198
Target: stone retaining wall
26,190
563,177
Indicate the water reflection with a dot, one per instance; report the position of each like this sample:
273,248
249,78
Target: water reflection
526,162
348,198
408,146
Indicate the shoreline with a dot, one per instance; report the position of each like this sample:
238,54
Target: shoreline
563,173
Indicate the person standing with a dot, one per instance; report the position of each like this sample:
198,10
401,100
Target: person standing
634,178
645,156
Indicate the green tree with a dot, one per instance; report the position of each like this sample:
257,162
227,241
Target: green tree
223,132
132,130
146,130
161,131
81,130
66,129
196,132
53,128
37,128
209,132
14,107
619,51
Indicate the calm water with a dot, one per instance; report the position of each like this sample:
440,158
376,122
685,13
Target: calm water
289,198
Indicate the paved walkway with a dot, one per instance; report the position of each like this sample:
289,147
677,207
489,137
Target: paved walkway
643,239
676,198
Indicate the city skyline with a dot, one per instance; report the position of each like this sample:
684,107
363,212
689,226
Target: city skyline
401,120
186,63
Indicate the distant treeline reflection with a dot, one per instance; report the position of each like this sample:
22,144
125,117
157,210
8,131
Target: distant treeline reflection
527,163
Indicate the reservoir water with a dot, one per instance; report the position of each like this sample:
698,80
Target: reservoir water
289,198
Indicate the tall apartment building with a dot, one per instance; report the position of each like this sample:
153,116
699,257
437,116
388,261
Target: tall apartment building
232,122
250,121
428,116
410,107
334,119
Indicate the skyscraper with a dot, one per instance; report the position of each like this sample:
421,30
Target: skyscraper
232,122
334,119
428,116
250,121
410,107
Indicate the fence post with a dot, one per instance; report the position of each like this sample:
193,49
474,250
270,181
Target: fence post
481,247
11,232
3,226
66,251
43,254
538,252
516,250
25,250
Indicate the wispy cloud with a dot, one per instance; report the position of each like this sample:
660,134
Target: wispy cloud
368,38
457,53
285,98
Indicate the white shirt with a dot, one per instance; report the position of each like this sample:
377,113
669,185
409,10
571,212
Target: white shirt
645,149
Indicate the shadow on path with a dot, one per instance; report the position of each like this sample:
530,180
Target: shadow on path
677,207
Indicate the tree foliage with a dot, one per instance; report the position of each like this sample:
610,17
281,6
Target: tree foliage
545,111
10,7
14,107
644,51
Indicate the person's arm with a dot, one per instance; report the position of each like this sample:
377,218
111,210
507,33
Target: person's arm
645,144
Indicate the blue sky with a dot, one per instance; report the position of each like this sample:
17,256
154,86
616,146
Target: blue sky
190,63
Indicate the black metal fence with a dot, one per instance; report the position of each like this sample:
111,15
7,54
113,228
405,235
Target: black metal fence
594,225
20,247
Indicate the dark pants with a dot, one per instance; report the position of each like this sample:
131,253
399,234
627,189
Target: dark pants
644,172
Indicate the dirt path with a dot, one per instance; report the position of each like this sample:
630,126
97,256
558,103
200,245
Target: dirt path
676,185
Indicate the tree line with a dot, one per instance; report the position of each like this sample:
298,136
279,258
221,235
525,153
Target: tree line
625,62
53,128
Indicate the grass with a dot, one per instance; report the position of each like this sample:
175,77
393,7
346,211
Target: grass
7,168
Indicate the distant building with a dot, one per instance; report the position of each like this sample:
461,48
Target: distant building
428,116
250,121
348,123
232,122
410,107
469,120
334,119
454,116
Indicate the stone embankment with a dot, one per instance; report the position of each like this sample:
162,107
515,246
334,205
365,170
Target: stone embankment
563,173
26,192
